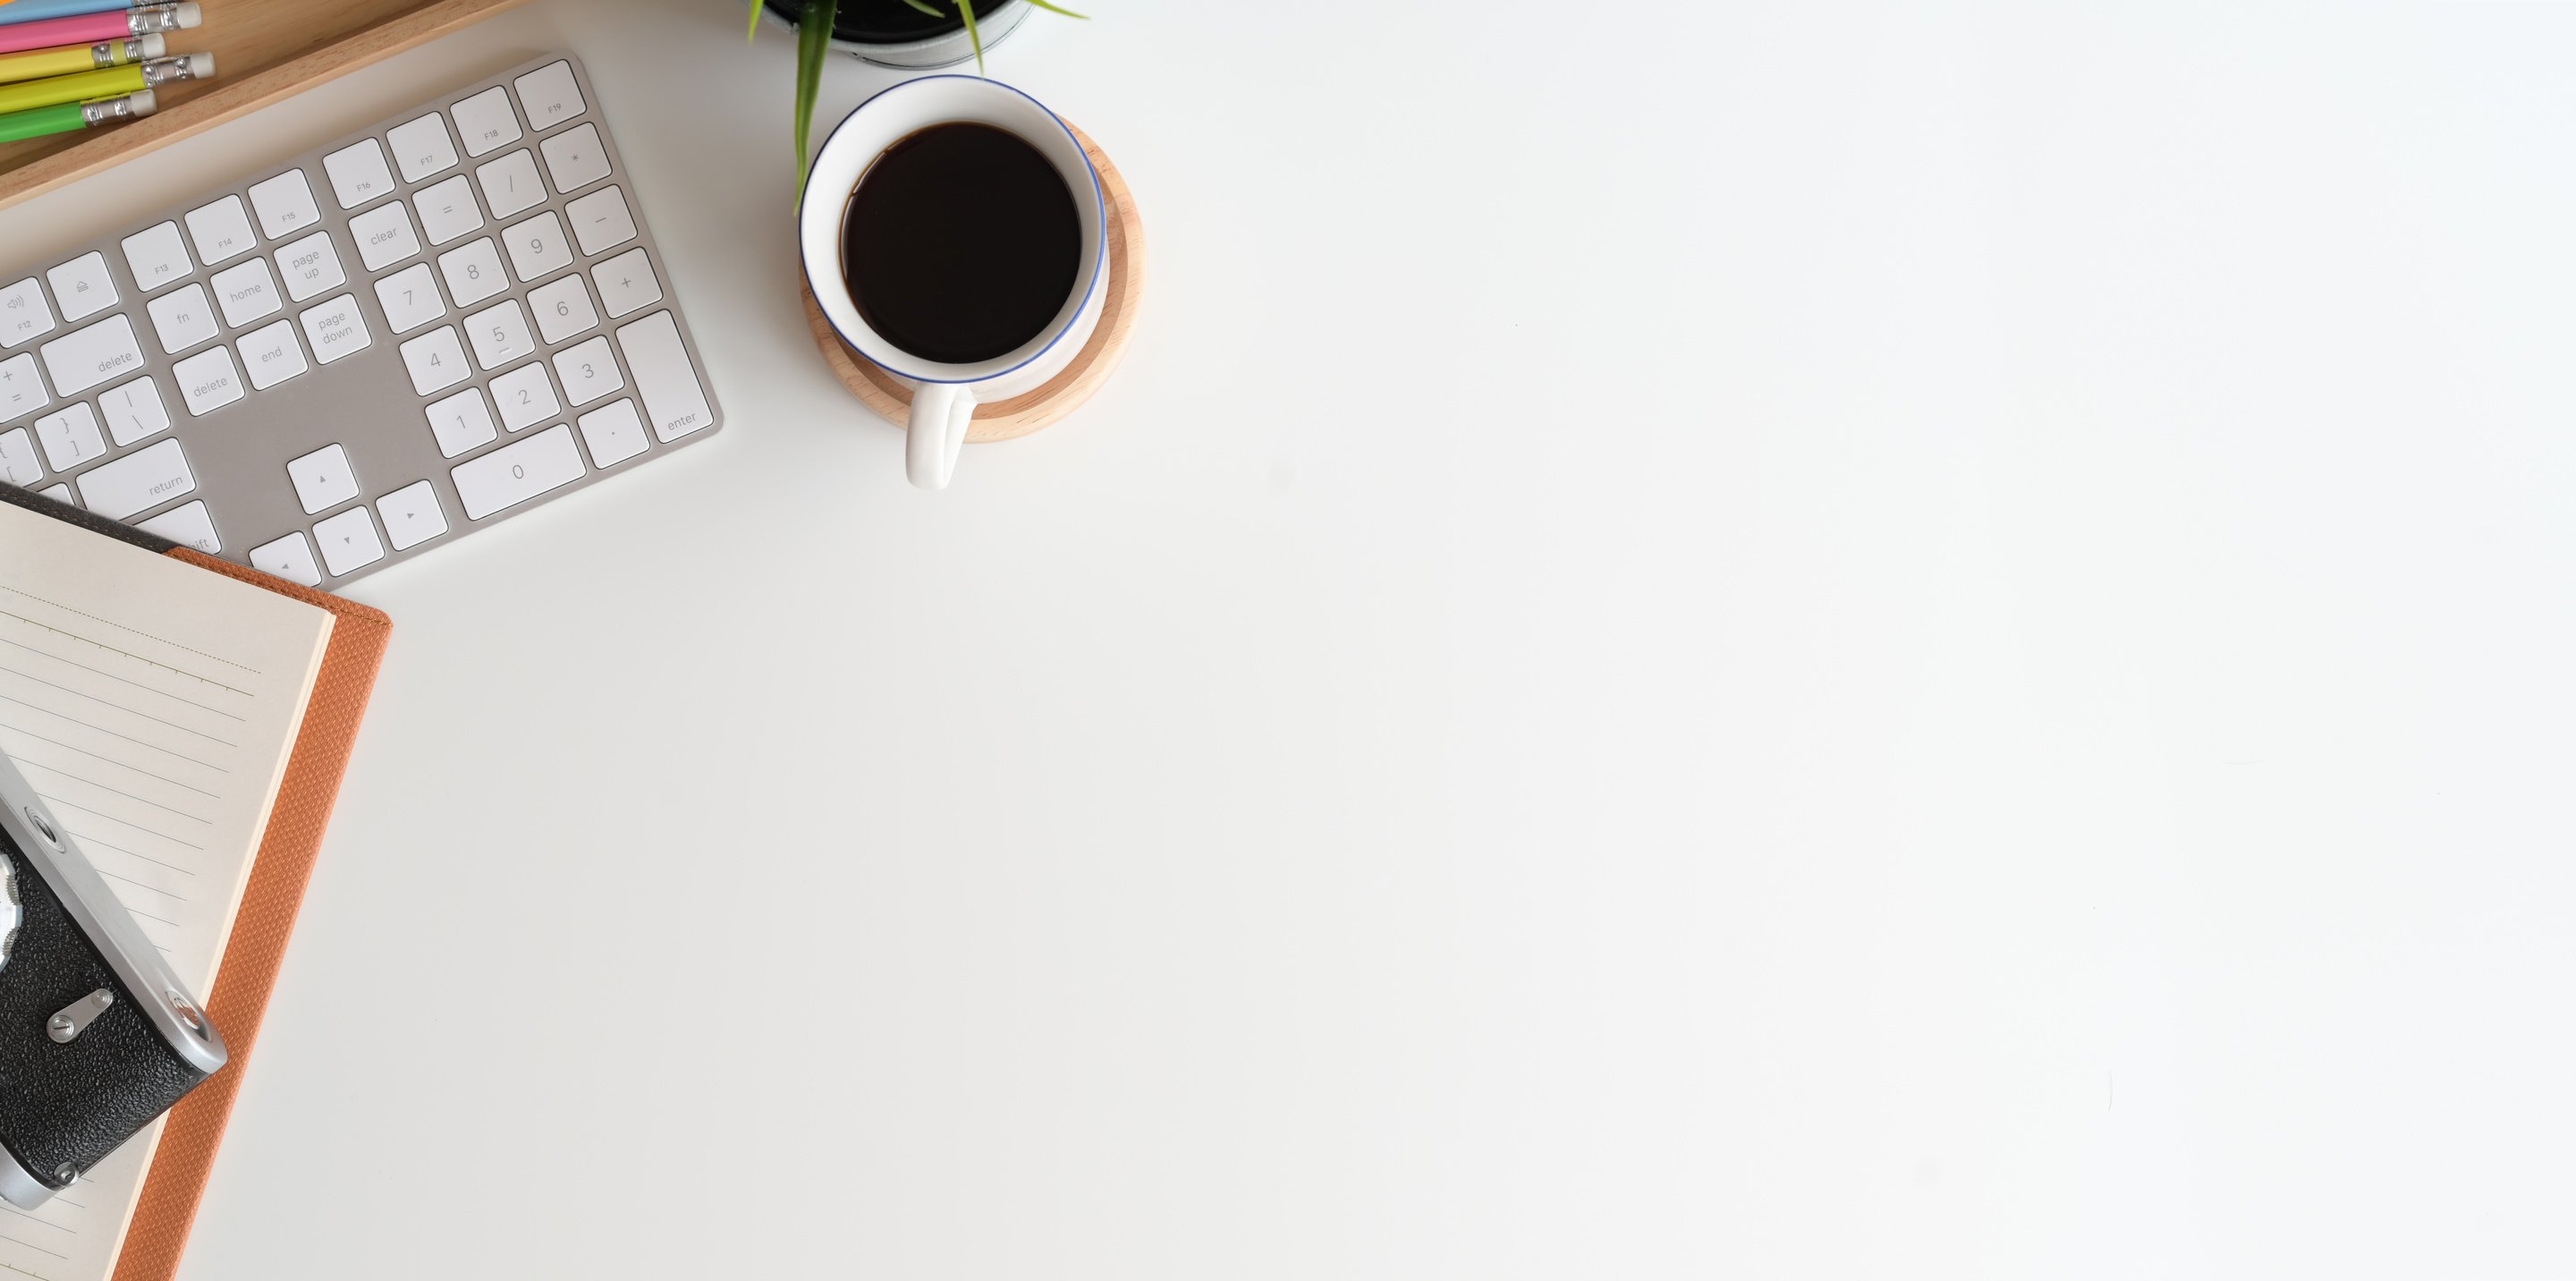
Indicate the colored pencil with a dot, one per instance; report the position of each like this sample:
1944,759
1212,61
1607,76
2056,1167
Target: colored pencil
39,10
69,116
95,28
74,58
109,83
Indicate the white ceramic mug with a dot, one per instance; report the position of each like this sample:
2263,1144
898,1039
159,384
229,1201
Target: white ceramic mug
944,396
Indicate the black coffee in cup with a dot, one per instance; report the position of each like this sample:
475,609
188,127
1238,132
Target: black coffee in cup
961,243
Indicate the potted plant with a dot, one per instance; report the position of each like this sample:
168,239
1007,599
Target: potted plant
913,34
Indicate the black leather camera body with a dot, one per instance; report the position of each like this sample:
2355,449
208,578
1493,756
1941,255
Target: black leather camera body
97,1035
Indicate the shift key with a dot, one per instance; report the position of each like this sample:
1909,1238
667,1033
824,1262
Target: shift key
140,481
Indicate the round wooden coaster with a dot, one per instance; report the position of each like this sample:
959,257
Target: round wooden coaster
1062,394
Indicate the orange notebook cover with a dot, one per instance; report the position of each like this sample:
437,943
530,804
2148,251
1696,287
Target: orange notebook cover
175,1182
177,1179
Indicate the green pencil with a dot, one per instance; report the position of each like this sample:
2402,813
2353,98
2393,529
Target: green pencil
75,115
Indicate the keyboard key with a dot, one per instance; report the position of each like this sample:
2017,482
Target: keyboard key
486,122
247,292
527,396
510,184
349,541
138,482
271,355
549,96
18,458
335,329
183,319
156,257
500,335
587,372
410,298
601,221
673,399
358,173
575,158
311,267
447,210
221,230
462,423
563,308
473,272
71,437
613,433
82,287
421,147
290,558
626,283
24,317
208,381
84,358
284,204
134,411
384,236
513,474
21,391
412,515
188,524
538,247
436,360
60,493
323,479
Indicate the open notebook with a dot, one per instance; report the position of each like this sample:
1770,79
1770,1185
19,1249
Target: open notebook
158,700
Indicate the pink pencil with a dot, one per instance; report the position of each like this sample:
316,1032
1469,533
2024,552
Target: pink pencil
93,28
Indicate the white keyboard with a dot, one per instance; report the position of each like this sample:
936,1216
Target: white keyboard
349,359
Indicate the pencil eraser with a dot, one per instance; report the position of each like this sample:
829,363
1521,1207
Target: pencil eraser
201,66
189,15
144,103
155,45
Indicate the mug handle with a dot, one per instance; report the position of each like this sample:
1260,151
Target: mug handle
941,415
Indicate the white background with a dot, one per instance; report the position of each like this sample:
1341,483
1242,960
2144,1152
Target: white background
1699,640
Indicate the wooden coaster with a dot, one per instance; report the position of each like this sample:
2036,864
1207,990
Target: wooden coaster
1062,394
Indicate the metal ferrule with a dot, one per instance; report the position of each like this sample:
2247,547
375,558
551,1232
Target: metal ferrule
118,53
107,111
159,17
162,71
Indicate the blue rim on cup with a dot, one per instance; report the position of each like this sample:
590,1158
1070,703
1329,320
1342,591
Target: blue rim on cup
945,395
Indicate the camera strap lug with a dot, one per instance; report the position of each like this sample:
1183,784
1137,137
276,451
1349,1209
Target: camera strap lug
72,1019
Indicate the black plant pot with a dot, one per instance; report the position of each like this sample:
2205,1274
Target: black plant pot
894,34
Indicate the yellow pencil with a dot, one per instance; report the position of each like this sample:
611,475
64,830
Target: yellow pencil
110,83
71,59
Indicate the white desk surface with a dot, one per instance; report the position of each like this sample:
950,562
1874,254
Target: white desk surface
1901,640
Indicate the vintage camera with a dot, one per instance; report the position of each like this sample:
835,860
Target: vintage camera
97,1036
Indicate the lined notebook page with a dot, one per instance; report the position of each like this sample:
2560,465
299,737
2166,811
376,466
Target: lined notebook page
153,704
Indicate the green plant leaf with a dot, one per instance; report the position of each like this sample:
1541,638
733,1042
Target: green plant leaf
967,11
754,33
813,44
926,7
1057,8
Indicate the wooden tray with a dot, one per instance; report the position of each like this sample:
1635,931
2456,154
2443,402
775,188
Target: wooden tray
891,397
264,50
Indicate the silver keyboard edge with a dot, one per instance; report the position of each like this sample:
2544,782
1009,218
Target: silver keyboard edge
240,475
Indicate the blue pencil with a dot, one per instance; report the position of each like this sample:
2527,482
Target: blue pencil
39,10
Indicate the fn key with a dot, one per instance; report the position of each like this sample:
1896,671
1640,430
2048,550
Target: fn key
511,476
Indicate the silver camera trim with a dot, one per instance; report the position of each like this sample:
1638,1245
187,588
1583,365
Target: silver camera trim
164,1000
